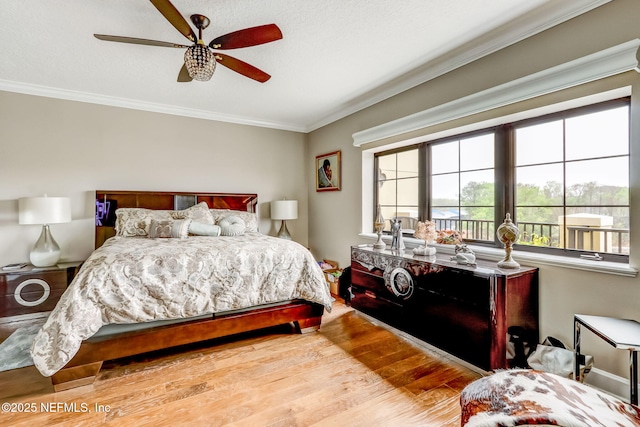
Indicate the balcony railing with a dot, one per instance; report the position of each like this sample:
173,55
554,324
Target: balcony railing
476,229
595,239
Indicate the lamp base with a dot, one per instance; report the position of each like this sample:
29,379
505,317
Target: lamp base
424,250
284,232
46,251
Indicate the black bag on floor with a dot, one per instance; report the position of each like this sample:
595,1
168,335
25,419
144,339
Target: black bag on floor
344,285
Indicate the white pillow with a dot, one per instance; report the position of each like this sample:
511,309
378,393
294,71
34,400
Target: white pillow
231,226
201,229
250,218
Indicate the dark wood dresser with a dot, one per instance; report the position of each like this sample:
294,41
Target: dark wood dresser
463,310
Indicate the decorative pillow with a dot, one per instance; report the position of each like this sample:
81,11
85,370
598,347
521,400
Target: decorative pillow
250,218
132,222
201,229
169,228
199,213
232,226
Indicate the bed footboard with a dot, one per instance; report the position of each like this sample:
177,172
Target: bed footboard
85,365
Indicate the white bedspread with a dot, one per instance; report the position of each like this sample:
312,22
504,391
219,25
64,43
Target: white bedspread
137,279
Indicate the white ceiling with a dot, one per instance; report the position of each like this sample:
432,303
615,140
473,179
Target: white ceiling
336,56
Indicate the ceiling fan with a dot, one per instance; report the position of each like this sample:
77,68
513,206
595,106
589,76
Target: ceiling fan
200,59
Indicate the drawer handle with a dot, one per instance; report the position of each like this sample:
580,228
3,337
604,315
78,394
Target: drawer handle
370,294
43,298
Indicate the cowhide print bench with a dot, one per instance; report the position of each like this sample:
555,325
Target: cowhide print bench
522,397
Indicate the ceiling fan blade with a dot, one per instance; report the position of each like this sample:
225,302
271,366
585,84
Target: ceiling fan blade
247,37
172,14
242,67
137,41
183,75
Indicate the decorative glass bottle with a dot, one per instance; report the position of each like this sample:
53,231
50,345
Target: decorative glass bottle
378,225
508,234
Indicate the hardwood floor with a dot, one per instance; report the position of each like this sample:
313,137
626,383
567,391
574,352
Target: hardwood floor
350,373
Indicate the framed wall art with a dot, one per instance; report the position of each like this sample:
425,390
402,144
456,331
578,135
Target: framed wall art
328,172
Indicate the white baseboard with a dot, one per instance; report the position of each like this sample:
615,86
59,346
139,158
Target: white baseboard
610,383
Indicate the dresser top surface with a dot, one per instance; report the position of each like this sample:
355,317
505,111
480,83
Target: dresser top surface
482,267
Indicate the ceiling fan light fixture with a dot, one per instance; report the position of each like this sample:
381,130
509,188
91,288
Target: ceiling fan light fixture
200,62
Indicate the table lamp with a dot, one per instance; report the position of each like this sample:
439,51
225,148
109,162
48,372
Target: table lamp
284,210
44,210
425,230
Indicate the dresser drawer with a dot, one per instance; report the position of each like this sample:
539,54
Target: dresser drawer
378,307
32,290
368,280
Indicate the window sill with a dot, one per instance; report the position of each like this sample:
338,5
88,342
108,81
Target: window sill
528,258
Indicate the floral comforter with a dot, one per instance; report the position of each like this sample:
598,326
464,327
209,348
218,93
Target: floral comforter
138,279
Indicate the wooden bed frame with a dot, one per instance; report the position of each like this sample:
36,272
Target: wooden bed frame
85,365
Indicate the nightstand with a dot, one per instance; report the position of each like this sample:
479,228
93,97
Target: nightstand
32,292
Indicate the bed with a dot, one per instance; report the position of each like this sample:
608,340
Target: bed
171,269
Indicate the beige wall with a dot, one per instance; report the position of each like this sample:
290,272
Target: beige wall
335,218
66,148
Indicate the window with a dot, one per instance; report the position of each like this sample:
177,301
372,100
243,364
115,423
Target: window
397,184
462,186
564,178
572,181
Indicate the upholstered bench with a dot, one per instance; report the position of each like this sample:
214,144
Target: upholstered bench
521,397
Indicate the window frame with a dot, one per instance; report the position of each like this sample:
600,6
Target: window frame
505,173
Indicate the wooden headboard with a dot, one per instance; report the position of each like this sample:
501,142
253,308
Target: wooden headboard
108,201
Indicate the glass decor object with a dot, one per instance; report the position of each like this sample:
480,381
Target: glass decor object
44,210
200,62
284,210
378,225
508,234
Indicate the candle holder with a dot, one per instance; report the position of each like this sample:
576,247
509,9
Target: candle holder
378,225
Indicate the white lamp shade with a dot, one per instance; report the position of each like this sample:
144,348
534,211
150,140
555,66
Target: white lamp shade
284,209
44,210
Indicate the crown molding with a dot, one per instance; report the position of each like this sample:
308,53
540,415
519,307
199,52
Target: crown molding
543,18
605,63
70,95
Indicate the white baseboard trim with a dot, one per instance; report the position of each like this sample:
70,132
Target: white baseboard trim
610,383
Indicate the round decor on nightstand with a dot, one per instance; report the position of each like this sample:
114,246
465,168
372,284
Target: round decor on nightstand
45,286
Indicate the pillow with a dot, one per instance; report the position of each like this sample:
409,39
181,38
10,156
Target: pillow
201,229
232,226
250,218
136,221
199,213
169,228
